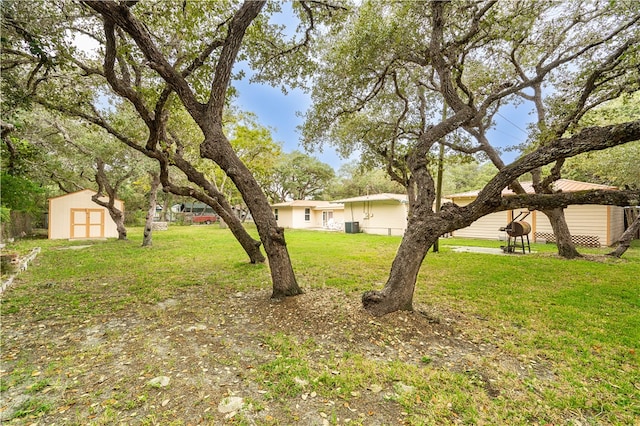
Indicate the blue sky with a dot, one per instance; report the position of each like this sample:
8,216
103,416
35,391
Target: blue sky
278,111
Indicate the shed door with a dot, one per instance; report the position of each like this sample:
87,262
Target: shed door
87,223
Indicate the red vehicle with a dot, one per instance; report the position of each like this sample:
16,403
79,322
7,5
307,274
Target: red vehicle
206,218
197,213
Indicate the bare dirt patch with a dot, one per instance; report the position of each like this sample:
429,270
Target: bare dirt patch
206,351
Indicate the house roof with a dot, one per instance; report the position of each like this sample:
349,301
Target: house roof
564,185
400,198
315,204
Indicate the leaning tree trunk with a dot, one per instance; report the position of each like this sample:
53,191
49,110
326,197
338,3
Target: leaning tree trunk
118,218
397,293
625,240
250,246
566,247
214,199
272,236
116,214
153,198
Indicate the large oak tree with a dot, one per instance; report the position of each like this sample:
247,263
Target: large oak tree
382,83
156,58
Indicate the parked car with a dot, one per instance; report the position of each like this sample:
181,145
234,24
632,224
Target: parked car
206,218
195,213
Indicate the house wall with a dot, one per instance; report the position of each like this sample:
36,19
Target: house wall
487,227
298,221
606,223
583,221
60,216
285,217
375,217
293,217
338,217
616,224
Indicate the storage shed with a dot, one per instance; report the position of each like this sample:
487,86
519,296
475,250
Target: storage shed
590,225
76,216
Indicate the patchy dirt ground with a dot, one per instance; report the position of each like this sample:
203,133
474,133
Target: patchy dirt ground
210,347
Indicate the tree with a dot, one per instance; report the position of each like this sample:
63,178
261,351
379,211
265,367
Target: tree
153,196
205,106
382,82
142,102
355,179
297,176
79,157
625,239
618,166
19,191
254,145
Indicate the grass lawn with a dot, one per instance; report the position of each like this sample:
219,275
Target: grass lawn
518,339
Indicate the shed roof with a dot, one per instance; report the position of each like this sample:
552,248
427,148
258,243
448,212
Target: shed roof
90,191
564,185
400,198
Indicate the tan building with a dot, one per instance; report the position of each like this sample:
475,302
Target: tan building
76,216
384,214
309,214
590,225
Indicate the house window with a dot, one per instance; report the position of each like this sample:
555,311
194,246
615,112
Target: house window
307,215
275,212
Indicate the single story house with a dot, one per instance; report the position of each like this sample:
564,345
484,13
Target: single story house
76,216
384,214
306,214
590,225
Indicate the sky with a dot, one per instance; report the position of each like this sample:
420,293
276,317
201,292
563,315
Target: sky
278,111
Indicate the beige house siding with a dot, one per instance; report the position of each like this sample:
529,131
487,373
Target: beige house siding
76,216
378,217
330,218
616,224
586,222
298,220
284,216
320,215
487,227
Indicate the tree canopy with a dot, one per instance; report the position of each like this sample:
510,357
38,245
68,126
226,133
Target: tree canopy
390,81
402,77
297,176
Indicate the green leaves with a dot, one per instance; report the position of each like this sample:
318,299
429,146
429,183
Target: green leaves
297,176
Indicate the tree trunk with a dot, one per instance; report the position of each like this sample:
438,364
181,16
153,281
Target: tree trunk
283,278
625,240
118,218
250,246
153,197
215,200
566,248
112,191
166,206
397,293
114,212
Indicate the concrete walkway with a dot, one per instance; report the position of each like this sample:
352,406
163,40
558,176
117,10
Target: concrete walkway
485,250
